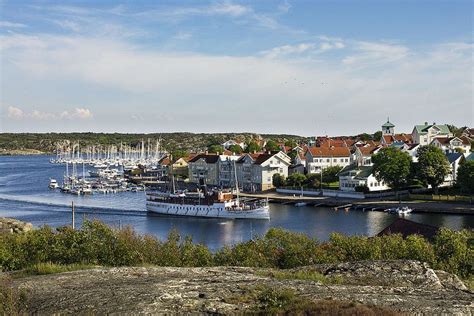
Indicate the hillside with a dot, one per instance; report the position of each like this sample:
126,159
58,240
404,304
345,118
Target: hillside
24,143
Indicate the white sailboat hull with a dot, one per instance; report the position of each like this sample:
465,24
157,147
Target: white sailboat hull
212,211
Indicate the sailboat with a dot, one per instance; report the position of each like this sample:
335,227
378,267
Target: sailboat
204,203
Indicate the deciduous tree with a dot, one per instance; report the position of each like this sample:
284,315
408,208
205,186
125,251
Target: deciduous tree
433,166
392,166
465,178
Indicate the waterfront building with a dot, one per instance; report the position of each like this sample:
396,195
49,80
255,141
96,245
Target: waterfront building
354,176
180,167
204,167
424,134
318,158
227,169
255,170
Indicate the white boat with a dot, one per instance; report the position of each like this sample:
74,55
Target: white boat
402,210
53,184
300,204
216,204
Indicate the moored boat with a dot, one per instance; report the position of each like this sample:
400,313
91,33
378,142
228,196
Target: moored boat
215,204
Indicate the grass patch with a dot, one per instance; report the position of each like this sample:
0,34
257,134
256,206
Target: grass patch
302,275
50,268
12,301
469,282
265,300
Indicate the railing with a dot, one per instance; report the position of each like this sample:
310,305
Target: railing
439,197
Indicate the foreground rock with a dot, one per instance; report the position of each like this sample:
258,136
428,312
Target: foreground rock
404,286
11,225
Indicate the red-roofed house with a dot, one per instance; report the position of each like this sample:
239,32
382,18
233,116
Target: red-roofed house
449,144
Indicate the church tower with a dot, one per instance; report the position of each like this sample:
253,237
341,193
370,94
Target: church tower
388,128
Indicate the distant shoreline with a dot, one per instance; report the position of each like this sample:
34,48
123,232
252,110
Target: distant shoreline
22,152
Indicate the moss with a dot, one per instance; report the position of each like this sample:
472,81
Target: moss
307,275
264,300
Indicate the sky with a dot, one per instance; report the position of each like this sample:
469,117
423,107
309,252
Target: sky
297,67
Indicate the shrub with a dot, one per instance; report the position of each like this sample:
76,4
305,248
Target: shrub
97,244
454,251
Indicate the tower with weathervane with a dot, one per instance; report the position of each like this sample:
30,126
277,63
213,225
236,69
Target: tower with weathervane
388,128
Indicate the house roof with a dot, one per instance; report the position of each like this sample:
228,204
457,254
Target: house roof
329,151
359,172
209,158
258,158
470,157
405,138
367,150
388,124
452,157
447,140
165,161
423,129
406,227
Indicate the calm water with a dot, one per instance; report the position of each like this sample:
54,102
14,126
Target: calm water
24,195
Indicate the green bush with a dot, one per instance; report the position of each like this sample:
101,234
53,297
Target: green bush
98,244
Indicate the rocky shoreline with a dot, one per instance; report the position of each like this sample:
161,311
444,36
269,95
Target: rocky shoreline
11,225
21,152
407,287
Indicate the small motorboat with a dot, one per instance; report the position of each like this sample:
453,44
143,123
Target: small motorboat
53,184
299,204
402,210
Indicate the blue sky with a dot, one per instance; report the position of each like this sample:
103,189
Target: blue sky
301,67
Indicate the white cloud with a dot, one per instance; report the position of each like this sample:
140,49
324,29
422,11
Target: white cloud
15,113
260,93
376,53
77,113
285,50
284,7
7,24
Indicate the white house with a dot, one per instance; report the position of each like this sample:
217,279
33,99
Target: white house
318,158
424,134
363,154
412,150
255,171
353,176
232,142
449,144
455,159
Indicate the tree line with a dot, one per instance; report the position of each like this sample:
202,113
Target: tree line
397,169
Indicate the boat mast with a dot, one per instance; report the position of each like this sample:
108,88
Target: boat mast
236,181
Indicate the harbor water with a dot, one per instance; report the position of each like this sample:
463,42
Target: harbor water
24,194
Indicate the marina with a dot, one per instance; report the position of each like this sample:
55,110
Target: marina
24,194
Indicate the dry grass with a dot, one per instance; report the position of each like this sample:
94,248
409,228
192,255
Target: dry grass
264,300
12,301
